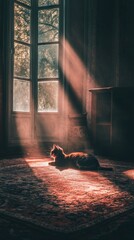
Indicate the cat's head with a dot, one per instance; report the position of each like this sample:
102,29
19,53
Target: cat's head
56,151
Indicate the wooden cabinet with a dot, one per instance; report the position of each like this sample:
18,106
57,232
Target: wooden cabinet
112,121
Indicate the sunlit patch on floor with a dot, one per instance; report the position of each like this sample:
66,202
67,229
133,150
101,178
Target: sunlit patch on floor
36,163
129,173
84,185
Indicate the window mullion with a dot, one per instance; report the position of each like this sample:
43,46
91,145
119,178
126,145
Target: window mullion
34,52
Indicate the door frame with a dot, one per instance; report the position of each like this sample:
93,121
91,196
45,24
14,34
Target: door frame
17,116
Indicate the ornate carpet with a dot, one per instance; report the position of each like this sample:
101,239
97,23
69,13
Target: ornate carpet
65,201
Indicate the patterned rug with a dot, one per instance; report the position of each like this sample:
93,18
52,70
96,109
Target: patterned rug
65,201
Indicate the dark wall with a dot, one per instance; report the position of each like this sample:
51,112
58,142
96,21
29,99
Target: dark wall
126,43
1,73
111,52
105,43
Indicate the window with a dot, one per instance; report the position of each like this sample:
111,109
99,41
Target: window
36,55
22,57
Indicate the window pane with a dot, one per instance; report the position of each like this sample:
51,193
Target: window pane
47,2
21,23
48,61
21,95
48,25
27,2
48,96
22,61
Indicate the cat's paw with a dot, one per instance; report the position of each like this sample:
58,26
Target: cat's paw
52,163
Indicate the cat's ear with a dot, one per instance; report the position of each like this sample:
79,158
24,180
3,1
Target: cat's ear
57,147
54,146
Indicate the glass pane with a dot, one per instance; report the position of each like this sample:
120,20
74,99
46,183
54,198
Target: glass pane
48,61
48,96
27,2
21,23
21,61
21,95
48,25
47,2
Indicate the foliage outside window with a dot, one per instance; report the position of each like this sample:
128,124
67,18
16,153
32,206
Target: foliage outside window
48,90
47,2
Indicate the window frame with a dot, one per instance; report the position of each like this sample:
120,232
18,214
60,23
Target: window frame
33,79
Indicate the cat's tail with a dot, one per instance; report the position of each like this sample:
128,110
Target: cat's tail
106,168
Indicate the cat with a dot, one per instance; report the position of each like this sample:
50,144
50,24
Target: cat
79,160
